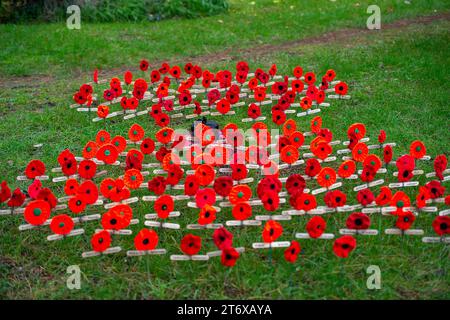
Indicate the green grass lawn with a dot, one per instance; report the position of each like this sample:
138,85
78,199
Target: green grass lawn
398,80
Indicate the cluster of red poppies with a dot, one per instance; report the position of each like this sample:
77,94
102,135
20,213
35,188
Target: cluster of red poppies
208,172
221,90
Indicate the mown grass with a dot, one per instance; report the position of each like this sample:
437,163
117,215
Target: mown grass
398,82
52,49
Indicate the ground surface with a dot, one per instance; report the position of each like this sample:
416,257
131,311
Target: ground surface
398,78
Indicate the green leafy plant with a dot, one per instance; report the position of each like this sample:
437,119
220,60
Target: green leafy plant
109,10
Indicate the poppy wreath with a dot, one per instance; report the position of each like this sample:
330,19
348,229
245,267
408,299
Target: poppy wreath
113,168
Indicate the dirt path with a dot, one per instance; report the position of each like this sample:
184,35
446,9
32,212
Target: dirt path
339,36
346,35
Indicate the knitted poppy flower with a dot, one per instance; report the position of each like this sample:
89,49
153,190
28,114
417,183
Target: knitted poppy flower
405,219
207,215
422,197
296,139
64,157
162,119
101,241
306,103
133,178
240,193
241,211
372,160
89,191
440,164
164,135
163,206
147,146
417,149
272,231
119,192
435,188
289,154
190,185
222,238
174,174
69,166
326,177
298,71
400,200
89,150
102,137
312,167
222,185
384,196
358,221
146,240
120,143
107,153
5,191
33,190
365,197
229,256
316,124
441,225
87,169
297,86
205,174
271,169
315,143
295,183
330,75
191,244
356,130
310,78
102,111
124,213
303,201
143,65
343,246
111,220
37,212
278,117
223,106
61,224
271,184
335,198
17,198
77,204
134,160
292,252
360,151
289,127
405,162
35,168
136,133
368,173
382,136
47,195
106,186
387,153
161,153
238,171
316,227
157,185
270,200
204,197
254,111
322,150
347,168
